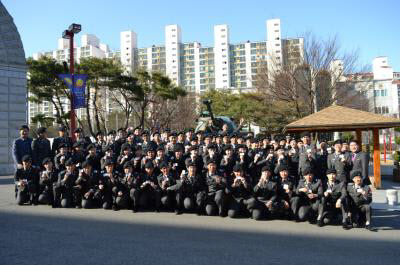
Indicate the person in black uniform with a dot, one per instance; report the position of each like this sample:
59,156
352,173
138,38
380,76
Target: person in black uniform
62,138
86,185
310,193
48,177
63,190
264,204
112,188
286,193
334,199
190,191
41,147
80,138
62,156
166,179
241,192
94,157
149,192
26,182
216,197
132,180
341,162
360,196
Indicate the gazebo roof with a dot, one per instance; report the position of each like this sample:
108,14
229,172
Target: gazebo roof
338,118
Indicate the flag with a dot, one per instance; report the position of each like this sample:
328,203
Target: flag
77,90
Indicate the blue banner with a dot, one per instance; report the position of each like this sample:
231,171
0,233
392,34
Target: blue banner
77,90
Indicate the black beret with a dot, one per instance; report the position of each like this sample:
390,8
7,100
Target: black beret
144,133
331,171
163,164
78,130
26,158
173,134
41,130
62,145
181,132
99,133
86,163
108,148
156,132
121,129
128,164
194,138
355,173
46,160
241,146
237,168
149,164
69,162
112,132
151,148
109,162
307,171
62,128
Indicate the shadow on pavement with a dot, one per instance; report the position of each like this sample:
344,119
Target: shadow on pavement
6,180
31,239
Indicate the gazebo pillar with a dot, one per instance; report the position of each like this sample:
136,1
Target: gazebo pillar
377,159
359,137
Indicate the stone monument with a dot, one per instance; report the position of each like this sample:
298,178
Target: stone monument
13,93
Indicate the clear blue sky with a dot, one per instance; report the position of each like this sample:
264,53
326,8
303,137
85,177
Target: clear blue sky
371,26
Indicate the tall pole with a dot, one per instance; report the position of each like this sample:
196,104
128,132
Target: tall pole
71,69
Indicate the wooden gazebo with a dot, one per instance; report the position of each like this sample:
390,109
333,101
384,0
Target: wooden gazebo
338,119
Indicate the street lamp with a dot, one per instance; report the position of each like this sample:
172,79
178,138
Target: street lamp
69,34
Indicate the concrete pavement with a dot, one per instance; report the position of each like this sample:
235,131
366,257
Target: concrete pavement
42,235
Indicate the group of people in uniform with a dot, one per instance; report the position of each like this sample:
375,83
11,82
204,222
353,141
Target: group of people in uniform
207,173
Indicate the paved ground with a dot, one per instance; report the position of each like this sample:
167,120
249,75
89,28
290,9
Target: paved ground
42,235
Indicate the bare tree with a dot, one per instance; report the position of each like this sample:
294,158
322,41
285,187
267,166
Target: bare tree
319,78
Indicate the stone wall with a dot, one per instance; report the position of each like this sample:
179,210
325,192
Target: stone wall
13,79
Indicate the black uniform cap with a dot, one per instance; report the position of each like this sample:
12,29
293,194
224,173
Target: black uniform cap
26,158
191,164
211,161
307,171
41,130
237,168
149,164
128,164
62,145
283,167
227,147
163,164
46,160
112,132
90,146
99,133
338,141
23,127
69,162
179,148
331,171
77,144
355,173
86,163
62,128
78,130
109,162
